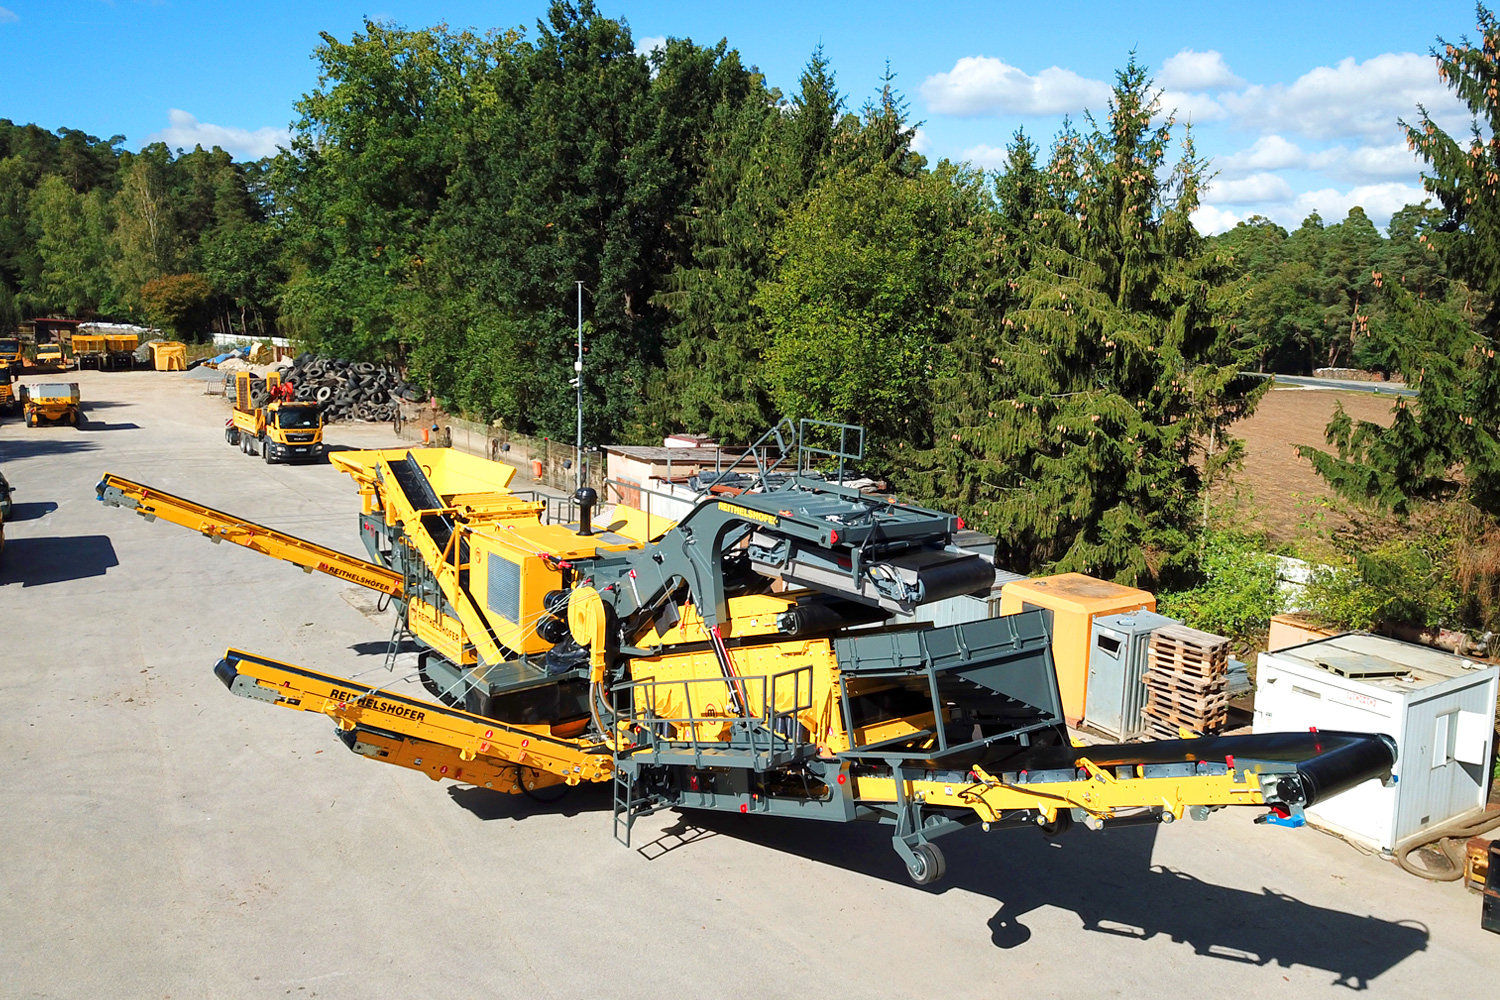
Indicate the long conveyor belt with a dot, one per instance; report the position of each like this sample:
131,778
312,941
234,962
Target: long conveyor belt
216,525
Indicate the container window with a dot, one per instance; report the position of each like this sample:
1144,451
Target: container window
1442,739
1111,646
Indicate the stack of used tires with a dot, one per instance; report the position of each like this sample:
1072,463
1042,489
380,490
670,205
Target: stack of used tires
348,390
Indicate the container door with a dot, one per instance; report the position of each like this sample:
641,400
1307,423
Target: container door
1109,653
1445,769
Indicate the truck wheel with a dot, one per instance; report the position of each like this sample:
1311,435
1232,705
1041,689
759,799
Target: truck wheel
929,865
265,450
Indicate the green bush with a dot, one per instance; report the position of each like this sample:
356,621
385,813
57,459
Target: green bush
1400,582
1238,594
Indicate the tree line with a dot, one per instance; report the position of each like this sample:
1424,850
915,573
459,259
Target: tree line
90,230
1051,349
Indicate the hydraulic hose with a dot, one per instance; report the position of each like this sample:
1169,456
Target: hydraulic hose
1449,838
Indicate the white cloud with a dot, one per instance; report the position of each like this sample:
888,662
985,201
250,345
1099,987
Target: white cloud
1347,100
186,131
920,143
1189,70
985,156
1210,219
1270,152
1191,107
1380,202
645,46
1250,190
982,85
8,16
1367,163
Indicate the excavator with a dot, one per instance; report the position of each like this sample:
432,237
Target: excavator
757,656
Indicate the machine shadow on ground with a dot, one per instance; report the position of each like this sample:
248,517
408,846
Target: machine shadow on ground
487,804
36,562
1108,879
20,449
377,648
99,425
31,510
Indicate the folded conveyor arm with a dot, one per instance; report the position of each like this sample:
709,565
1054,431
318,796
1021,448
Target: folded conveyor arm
439,741
217,526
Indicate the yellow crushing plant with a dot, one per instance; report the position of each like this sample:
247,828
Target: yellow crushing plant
759,656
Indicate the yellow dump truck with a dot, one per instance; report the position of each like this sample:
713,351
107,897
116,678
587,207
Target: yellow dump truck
50,356
8,402
268,424
119,351
10,353
51,403
88,350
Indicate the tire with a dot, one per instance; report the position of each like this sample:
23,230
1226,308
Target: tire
365,368
265,451
324,394
1057,827
929,865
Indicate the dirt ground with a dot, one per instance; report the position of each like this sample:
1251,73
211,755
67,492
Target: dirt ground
1277,487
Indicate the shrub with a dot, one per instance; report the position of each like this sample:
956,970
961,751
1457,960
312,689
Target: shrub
1239,593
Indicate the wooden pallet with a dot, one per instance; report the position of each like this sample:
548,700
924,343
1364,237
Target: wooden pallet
1187,701
1171,720
1192,684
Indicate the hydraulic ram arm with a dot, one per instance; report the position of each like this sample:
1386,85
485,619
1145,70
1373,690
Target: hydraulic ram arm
441,742
217,526
1285,772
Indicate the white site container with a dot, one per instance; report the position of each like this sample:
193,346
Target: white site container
1439,707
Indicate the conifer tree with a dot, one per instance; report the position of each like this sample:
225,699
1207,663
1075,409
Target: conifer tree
1109,368
1446,441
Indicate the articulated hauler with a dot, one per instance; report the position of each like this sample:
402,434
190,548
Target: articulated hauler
751,658
51,403
271,424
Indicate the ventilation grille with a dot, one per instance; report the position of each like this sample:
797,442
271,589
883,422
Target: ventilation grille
504,588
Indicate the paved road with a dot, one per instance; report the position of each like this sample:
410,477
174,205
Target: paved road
164,839
1350,385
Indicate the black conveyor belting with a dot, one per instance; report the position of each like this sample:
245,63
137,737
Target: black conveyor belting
420,494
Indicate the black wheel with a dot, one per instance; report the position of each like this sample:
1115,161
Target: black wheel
1057,827
929,865
265,450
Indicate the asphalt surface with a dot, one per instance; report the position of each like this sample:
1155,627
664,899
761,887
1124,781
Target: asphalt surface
1349,385
165,839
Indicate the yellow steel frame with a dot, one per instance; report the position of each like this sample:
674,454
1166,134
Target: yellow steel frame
218,526
441,742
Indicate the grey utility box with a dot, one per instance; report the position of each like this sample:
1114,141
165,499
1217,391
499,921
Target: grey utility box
1117,659
1440,709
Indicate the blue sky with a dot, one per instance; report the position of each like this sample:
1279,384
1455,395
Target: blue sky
1295,102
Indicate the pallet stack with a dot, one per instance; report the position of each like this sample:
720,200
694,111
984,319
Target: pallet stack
1187,682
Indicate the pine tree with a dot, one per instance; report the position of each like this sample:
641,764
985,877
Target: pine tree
1110,366
1448,440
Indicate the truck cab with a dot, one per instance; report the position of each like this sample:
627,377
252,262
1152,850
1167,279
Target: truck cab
272,426
294,432
10,353
50,355
8,401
